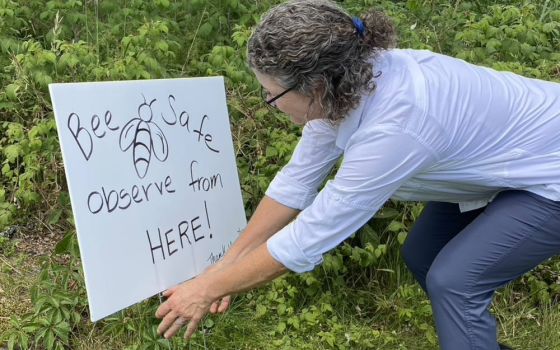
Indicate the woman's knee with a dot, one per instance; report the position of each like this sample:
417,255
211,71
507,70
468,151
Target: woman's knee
444,278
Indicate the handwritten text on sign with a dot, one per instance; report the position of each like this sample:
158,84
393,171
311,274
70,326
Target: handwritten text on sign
153,182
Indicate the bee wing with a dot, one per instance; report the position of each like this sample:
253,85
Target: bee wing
128,134
159,143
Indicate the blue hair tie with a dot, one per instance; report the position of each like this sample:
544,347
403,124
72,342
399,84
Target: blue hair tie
360,27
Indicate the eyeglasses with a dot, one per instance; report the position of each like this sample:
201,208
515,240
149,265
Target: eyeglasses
271,101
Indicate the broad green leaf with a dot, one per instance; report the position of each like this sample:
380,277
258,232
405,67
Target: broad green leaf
401,237
260,311
12,152
11,91
395,226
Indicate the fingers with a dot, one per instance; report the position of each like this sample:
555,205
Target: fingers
224,305
191,328
163,310
169,292
174,327
167,322
214,307
220,306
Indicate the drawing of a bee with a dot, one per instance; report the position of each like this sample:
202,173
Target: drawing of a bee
145,138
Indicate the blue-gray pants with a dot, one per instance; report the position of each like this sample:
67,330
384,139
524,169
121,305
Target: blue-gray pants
460,259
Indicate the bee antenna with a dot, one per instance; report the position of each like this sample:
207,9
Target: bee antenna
152,101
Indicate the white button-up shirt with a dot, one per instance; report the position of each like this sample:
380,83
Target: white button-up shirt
435,129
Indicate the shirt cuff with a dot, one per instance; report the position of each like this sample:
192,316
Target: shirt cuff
289,192
285,249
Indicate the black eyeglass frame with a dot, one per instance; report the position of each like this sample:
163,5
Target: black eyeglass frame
273,99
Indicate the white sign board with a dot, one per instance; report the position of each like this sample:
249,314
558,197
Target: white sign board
153,183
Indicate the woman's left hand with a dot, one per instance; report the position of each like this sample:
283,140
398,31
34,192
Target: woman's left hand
186,304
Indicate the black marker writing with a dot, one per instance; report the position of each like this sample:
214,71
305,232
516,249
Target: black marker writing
111,199
185,120
195,228
207,216
187,232
215,257
81,135
207,136
95,123
183,228
203,183
174,120
169,243
108,118
138,134
184,117
152,247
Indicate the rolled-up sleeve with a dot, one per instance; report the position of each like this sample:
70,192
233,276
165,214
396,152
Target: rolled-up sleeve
376,162
297,184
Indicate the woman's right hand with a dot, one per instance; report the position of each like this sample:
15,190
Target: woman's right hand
269,217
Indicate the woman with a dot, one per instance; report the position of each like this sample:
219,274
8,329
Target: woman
480,146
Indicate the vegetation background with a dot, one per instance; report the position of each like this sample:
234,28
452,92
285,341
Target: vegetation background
362,297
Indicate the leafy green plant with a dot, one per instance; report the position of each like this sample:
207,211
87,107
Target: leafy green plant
362,291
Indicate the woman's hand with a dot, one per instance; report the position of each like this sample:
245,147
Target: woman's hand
190,301
221,305
186,304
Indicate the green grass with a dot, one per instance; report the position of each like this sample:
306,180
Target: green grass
523,325
362,315
18,272
375,304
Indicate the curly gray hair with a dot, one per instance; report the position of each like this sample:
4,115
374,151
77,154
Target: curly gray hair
314,46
